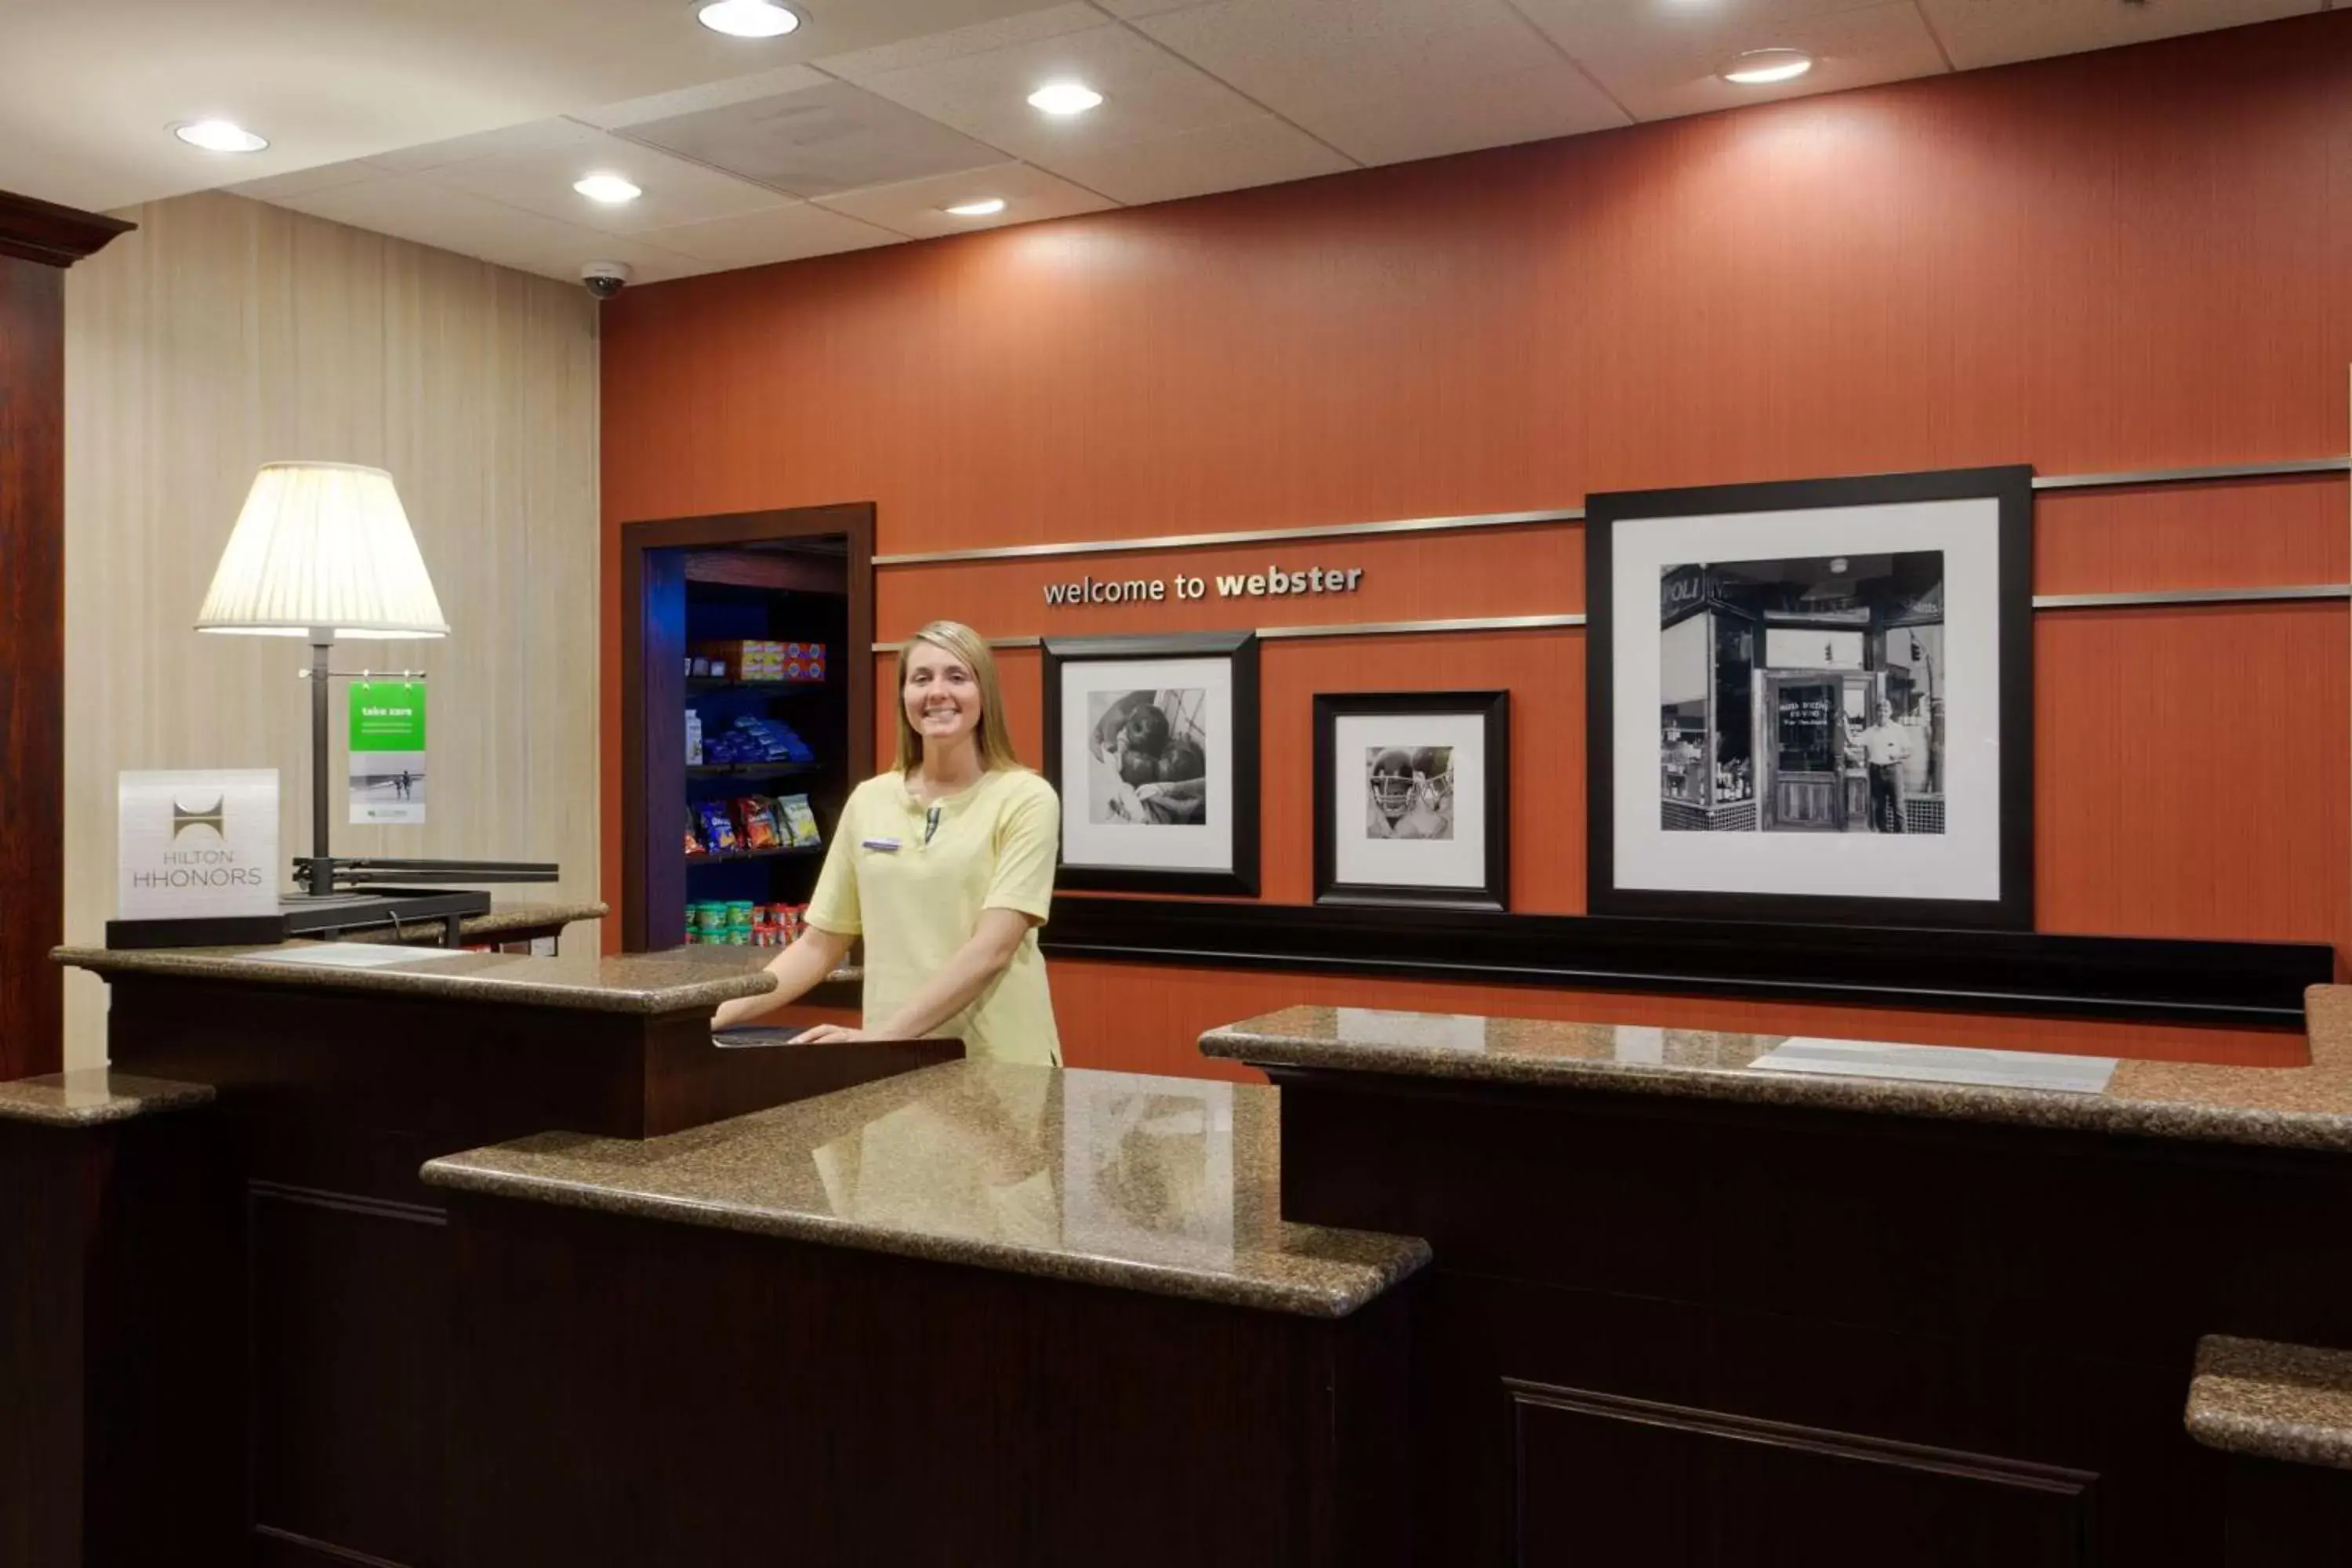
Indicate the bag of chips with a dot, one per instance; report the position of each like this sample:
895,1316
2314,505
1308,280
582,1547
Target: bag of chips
718,828
757,815
800,821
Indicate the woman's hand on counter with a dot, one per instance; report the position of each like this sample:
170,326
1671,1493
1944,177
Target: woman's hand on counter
831,1035
808,960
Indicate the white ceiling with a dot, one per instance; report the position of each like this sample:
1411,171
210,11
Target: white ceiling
463,123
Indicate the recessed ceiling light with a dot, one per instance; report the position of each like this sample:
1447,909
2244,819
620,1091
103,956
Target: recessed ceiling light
748,18
610,189
987,208
1757,66
1065,97
220,136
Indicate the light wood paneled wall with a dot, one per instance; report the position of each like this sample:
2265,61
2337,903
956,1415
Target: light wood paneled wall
225,334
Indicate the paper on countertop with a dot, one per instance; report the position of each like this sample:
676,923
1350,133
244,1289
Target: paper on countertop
350,955
1940,1064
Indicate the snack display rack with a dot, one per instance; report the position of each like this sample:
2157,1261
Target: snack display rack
748,715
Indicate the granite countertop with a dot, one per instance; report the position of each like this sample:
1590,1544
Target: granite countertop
1165,1185
725,956
94,1096
501,919
2299,1107
588,982
2289,1403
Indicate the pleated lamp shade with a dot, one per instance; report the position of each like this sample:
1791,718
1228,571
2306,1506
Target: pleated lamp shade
322,547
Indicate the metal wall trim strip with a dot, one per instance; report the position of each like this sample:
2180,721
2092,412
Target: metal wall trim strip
1236,536
1348,630
2160,597
2305,593
1557,514
2193,476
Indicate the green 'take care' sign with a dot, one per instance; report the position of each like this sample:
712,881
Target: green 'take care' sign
387,716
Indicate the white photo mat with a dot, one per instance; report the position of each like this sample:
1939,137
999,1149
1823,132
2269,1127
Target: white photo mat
1207,846
1361,860
1963,862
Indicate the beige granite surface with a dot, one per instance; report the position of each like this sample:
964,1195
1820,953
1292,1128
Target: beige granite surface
2290,1403
587,981
94,1096
2304,1107
1165,1185
502,918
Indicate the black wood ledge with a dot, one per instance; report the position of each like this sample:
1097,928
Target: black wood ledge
2248,985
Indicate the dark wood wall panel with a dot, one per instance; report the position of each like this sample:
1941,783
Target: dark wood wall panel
37,241
32,663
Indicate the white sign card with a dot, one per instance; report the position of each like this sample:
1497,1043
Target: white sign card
196,844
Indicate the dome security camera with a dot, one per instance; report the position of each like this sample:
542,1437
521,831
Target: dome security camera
606,278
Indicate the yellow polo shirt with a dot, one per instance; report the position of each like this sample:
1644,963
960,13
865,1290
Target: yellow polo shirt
915,891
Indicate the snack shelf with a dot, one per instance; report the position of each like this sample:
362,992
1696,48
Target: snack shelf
752,770
786,852
711,683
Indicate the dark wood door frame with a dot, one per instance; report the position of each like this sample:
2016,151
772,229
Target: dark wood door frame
38,240
641,681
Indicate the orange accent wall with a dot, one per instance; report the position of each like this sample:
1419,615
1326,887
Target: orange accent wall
2139,259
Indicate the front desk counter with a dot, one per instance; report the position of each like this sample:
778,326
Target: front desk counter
333,1084
1689,1310
984,1314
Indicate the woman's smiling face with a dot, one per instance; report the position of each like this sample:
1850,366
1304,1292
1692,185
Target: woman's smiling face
942,699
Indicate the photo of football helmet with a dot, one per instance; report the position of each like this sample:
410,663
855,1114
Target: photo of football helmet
1393,781
1435,767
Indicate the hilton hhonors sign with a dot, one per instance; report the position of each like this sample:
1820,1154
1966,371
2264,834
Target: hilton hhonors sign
196,844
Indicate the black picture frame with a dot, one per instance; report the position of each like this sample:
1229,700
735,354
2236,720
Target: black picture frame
1494,709
2011,486
1241,650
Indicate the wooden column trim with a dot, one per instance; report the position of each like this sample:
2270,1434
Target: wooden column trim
37,241
54,235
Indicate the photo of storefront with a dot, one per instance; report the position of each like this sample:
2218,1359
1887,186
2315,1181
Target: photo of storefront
1802,695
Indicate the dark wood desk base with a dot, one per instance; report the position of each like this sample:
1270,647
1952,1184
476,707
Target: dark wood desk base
114,1372
1690,1334
632,1393
337,1266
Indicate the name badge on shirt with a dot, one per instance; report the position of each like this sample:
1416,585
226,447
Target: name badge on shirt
886,846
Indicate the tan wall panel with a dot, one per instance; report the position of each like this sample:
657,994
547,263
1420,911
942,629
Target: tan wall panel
225,334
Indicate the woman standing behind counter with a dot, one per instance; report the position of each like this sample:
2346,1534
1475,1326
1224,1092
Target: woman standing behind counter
945,865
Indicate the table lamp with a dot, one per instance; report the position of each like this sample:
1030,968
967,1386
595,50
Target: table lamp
321,550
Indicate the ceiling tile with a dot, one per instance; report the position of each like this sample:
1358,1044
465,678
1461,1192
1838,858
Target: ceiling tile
1025,28
676,191
1546,100
1663,64
1997,32
1259,151
914,209
1288,53
818,140
1131,9
304,180
563,254
1147,93
710,95
536,136
421,207
787,233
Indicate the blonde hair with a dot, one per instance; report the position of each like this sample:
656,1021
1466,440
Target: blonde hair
970,650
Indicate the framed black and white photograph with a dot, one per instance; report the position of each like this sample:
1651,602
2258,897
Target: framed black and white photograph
1814,700
1413,798
1151,743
